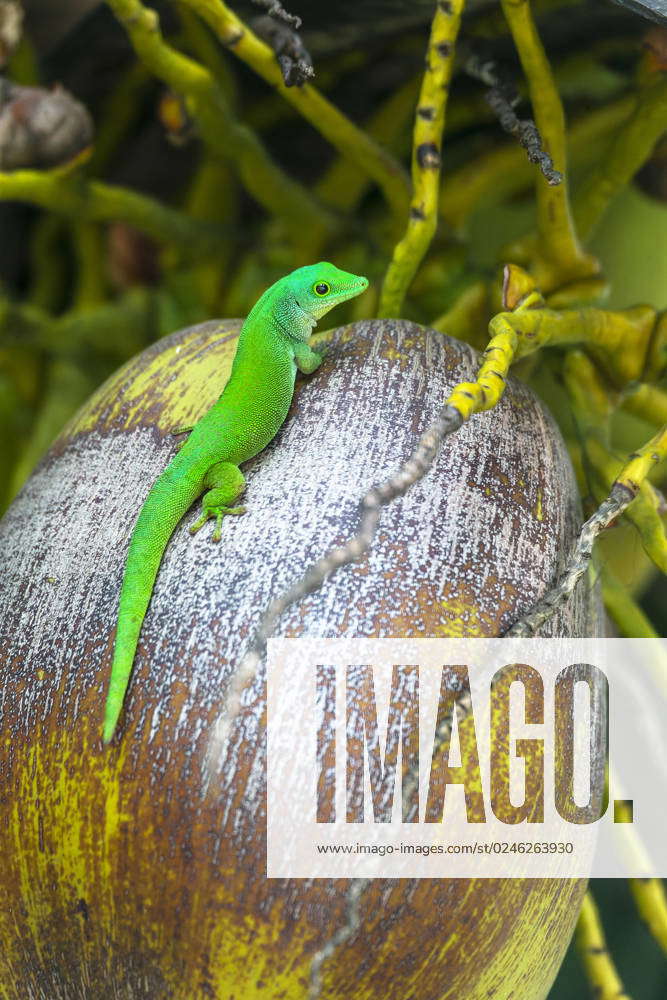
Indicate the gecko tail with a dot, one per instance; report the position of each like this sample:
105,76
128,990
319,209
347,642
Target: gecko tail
164,507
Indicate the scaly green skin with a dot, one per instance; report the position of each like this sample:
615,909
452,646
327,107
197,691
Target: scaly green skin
273,344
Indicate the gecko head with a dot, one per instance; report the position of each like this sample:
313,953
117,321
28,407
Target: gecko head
317,288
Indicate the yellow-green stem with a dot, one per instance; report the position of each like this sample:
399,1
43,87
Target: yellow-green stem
598,965
647,402
465,319
629,149
77,198
344,184
626,614
47,271
342,133
426,158
213,193
651,903
265,181
90,278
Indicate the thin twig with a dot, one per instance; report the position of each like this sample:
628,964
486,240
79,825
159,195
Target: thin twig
293,57
502,97
607,512
275,9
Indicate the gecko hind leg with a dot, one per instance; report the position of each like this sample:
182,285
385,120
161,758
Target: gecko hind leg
227,483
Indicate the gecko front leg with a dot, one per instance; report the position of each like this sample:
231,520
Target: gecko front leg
306,359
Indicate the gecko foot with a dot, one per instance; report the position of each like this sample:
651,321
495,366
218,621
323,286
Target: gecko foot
218,513
181,430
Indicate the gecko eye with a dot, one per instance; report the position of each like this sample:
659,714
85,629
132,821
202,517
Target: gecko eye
321,288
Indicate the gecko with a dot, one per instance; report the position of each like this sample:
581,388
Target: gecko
272,345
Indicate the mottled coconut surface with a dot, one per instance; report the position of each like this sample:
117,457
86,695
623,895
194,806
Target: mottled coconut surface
119,870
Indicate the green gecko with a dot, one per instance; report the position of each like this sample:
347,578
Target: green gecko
273,344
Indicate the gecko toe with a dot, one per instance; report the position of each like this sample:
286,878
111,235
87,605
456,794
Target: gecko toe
218,513
236,510
194,528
